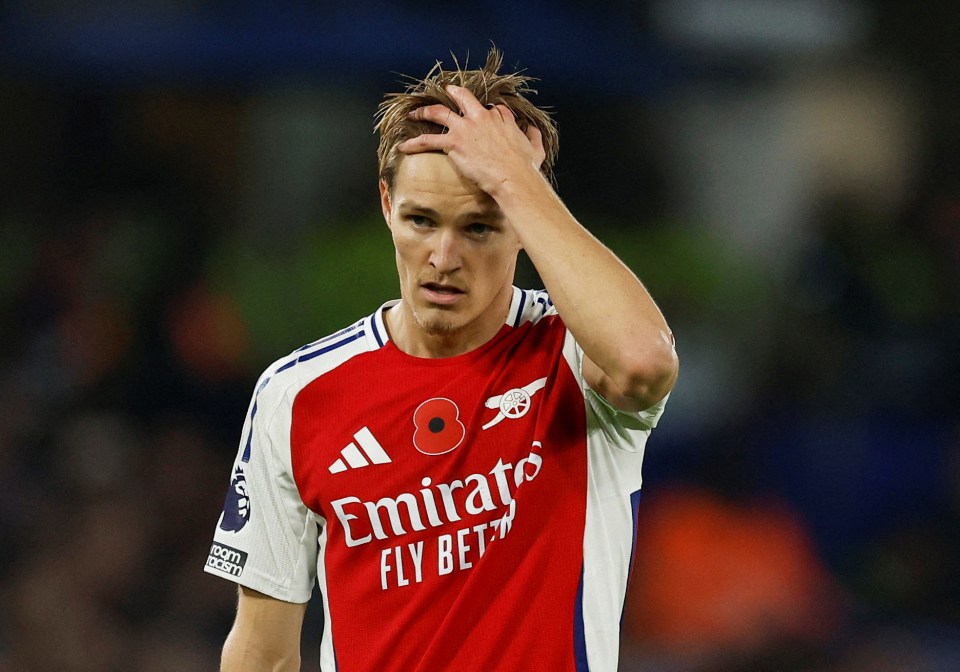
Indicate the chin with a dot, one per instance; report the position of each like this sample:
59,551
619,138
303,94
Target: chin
436,324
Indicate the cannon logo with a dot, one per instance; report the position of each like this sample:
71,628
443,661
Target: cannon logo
513,403
226,559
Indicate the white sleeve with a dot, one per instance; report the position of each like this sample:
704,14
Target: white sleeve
622,426
266,538
603,412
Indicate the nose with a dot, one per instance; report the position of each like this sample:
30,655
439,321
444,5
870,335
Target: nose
445,253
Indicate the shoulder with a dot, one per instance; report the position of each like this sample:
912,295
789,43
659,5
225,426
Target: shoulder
529,305
294,371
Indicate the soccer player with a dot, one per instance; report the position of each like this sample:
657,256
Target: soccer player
459,471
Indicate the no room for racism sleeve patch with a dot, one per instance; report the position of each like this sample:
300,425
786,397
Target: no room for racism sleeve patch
226,559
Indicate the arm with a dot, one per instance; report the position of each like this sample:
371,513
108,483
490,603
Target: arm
630,358
265,635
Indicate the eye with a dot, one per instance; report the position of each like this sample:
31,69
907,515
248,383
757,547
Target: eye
478,229
419,221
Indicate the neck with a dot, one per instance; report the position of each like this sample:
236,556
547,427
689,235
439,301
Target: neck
411,337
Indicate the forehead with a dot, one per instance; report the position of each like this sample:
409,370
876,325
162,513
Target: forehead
432,180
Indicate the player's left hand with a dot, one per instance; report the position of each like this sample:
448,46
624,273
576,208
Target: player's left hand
485,143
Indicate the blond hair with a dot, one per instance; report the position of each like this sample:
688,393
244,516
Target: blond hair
394,125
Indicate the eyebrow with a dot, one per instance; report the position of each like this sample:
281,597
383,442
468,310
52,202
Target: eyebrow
410,205
487,213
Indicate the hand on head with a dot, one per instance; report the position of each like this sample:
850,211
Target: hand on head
485,143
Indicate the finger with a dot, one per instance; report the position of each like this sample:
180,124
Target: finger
536,140
505,112
465,100
437,114
427,142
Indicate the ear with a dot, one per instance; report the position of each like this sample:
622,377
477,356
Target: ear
385,202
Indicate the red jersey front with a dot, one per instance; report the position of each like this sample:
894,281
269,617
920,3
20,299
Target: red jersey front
468,513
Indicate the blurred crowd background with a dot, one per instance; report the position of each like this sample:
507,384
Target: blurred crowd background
188,191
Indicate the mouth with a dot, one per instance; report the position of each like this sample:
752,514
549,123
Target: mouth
436,292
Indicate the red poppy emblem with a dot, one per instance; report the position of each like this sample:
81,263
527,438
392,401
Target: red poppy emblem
438,426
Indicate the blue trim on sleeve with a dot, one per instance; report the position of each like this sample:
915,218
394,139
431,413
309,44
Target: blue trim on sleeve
635,509
542,300
247,448
293,362
579,633
310,355
253,413
327,339
376,332
523,303
287,365
322,351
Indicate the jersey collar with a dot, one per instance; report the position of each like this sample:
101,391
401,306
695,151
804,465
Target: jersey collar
379,336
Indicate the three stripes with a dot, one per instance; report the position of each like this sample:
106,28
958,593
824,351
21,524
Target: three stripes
354,456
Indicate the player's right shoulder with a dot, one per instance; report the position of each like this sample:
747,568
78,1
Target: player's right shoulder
313,360
296,370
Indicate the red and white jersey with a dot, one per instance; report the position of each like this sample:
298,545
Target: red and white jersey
469,513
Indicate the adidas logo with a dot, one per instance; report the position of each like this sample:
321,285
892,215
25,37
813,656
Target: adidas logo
354,456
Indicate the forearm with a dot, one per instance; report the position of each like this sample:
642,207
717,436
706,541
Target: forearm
601,301
612,316
242,653
265,635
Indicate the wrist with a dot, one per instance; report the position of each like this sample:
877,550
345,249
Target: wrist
519,185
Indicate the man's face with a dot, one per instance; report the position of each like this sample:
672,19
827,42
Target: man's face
456,254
